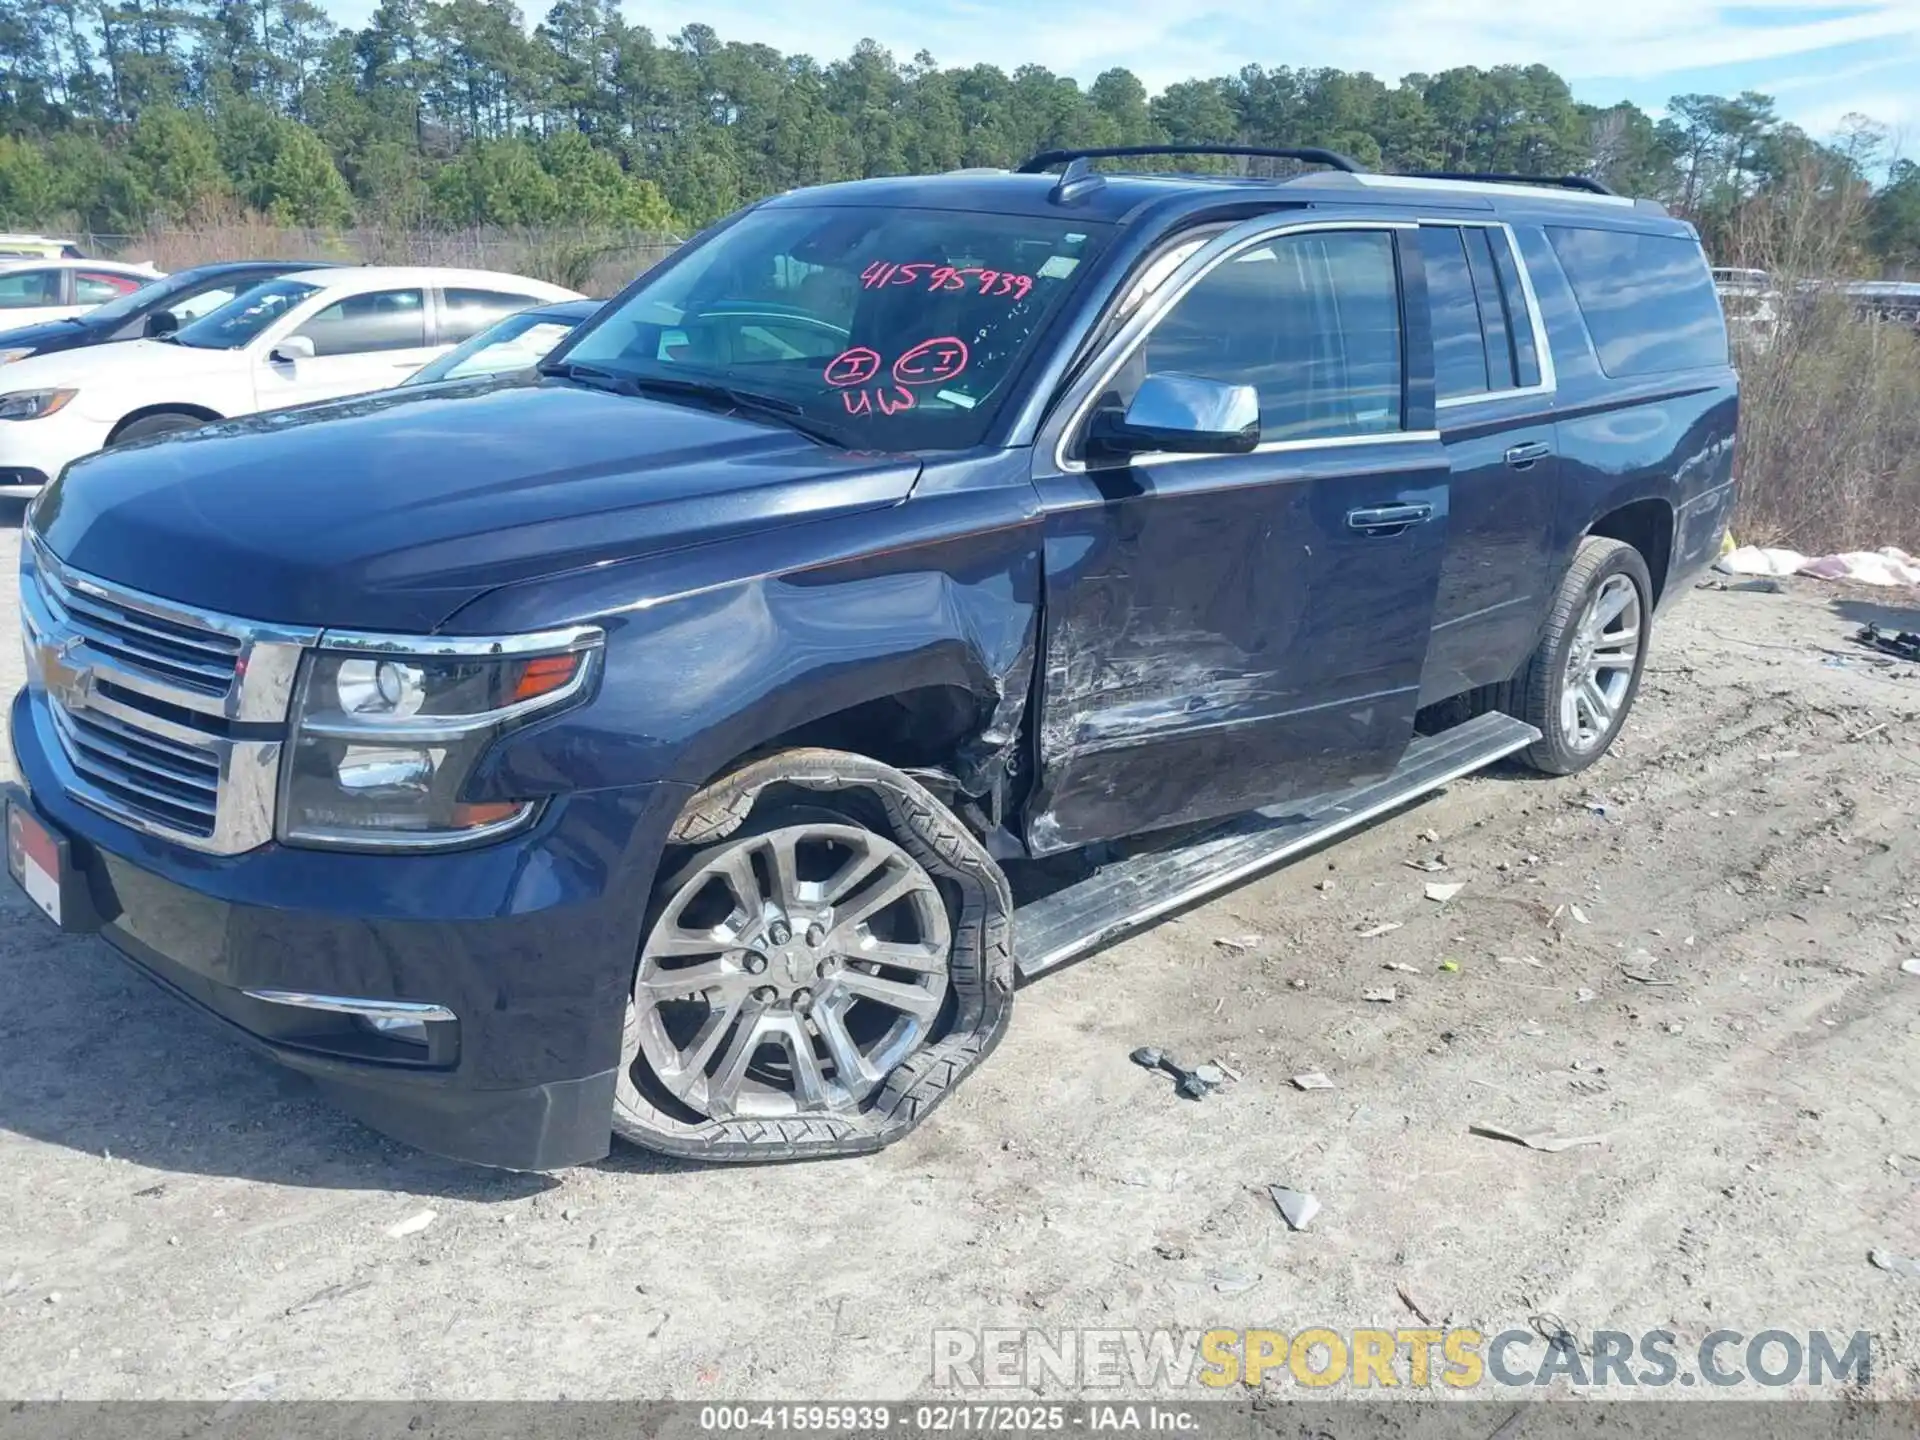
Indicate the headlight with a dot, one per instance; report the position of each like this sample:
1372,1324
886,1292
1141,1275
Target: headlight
18,352
33,404
387,732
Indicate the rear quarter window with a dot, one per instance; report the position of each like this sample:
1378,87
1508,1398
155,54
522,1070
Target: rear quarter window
1648,300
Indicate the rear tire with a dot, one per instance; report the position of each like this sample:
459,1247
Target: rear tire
152,427
1580,682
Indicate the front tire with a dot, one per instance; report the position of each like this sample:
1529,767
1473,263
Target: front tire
829,958
152,427
1580,683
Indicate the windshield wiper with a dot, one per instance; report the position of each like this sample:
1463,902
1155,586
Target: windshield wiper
768,407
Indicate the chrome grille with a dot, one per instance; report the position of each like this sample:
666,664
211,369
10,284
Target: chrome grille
166,717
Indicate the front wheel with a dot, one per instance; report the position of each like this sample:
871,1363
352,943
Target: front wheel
830,957
1581,681
152,427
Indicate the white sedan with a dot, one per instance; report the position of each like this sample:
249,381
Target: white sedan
313,335
33,292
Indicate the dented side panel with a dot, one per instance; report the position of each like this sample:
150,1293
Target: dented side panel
1218,636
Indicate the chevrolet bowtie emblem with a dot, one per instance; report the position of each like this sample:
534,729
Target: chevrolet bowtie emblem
67,682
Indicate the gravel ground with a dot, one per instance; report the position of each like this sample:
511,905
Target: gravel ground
181,1219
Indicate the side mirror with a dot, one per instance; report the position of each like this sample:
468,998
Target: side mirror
162,322
1181,414
291,349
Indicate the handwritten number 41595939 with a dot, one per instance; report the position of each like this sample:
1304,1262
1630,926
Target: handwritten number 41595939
997,283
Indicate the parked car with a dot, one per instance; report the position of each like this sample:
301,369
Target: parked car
655,744
313,335
148,311
33,292
515,343
39,247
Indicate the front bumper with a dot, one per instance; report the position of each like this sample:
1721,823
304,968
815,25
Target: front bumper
530,943
34,451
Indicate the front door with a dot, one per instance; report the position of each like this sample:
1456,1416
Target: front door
1228,631
360,343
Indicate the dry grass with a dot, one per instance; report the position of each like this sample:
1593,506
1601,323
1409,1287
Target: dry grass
592,261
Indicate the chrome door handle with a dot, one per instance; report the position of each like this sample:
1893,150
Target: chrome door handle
1387,519
1521,457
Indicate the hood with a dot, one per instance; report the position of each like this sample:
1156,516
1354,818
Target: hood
51,334
128,362
390,511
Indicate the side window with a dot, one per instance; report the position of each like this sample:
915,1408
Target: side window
93,288
1311,321
361,324
1526,361
1648,300
24,289
465,313
1495,327
204,303
1459,345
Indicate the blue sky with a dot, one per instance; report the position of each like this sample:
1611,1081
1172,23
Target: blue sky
1820,61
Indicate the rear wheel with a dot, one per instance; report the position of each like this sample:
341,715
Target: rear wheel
151,427
1581,681
817,979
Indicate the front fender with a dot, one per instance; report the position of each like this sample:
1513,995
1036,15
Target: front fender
712,653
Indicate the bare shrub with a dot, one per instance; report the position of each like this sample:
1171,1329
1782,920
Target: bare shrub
1829,449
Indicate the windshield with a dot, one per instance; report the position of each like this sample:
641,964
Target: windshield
891,329
145,298
514,343
245,316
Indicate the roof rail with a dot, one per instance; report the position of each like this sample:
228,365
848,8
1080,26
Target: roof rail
1047,159
1491,177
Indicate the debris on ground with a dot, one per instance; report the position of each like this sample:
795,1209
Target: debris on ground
1432,864
1232,1280
1886,1260
1538,1139
1296,1207
1592,807
1312,1080
1442,891
1402,967
1889,565
1579,915
1194,1084
1374,932
1228,1070
1911,967
1582,995
1421,1312
412,1225
1452,967
1236,944
1381,995
1902,644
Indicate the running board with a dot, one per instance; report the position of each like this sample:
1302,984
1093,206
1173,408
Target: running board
1129,893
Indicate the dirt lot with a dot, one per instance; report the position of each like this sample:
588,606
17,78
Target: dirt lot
183,1220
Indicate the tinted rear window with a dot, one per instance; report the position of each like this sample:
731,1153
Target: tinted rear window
1648,300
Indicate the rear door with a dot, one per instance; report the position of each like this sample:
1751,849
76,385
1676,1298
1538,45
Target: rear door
33,296
360,342
1226,631
463,311
1493,381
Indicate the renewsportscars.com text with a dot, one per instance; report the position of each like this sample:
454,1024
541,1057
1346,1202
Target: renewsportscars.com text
1459,1359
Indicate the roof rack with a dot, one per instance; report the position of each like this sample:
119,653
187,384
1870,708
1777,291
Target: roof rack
1492,177
1047,159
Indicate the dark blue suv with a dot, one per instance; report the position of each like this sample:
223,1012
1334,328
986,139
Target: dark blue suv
906,588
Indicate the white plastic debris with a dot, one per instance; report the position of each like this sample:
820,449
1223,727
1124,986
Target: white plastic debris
1374,932
1538,1139
1402,967
1312,1080
1436,890
1579,915
1236,944
1384,995
1889,565
1296,1207
1911,967
412,1225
